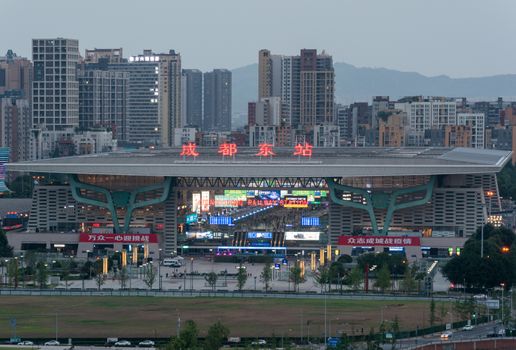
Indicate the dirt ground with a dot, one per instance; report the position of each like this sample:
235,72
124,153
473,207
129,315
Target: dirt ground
158,317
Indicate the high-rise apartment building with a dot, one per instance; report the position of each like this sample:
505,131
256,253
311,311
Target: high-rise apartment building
476,121
15,75
55,89
15,127
429,114
217,100
192,98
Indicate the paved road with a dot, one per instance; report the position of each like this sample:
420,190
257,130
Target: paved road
478,332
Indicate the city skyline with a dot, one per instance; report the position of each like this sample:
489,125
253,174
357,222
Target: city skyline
200,47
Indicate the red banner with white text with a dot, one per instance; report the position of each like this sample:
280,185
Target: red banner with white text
385,241
111,238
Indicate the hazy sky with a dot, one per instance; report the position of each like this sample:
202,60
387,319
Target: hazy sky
454,37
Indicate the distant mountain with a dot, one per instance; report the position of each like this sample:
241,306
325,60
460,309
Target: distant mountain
360,84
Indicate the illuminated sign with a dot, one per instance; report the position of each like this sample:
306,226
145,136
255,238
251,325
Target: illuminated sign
189,150
261,202
302,236
236,194
310,221
110,238
259,235
221,220
199,235
303,150
205,201
223,201
373,241
265,150
227,149
196,202
295,202
191,219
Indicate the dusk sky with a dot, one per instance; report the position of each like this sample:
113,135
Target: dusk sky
459,38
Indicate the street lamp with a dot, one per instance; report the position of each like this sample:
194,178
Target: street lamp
489,194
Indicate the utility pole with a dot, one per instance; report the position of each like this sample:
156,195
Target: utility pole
56,327
325,317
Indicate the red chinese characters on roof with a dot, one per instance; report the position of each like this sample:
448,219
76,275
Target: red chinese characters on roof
303,150
228,149
189,150
265,150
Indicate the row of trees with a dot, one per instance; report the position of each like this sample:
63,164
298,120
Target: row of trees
188,338
496,268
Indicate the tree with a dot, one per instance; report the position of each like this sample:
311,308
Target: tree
187,339
266,276
13,272
322,277
408,283
21,186
149,275
383,278
465,308
241,277
67,270
355,278
217,335
495,267
211,278
432,312
41,274
296,276
5,249
123,276
100,279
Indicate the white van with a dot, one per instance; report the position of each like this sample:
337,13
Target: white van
172,262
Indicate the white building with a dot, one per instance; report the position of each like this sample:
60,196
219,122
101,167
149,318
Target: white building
262,134
92,142
433,114
476,121
184,135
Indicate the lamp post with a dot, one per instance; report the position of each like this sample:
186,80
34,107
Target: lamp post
489,194
503,314
191,274
255,284
159,269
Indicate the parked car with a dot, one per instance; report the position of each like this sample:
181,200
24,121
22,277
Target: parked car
52,343
468,327
259,342
146,343
446,335
26,342
123,343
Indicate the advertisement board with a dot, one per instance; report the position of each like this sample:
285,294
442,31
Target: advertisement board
223,201
111,238
221,220
385,241
191,219
205,201
196,202
302,236
199,235
236,194
310,221
295,202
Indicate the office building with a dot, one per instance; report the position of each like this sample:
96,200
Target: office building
429,114
103,100
476,122
217,100
104,55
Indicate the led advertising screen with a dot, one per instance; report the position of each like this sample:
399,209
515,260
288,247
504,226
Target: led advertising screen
196,202
191,219
221,220
223,201
259,235
302,236
295,202
310,221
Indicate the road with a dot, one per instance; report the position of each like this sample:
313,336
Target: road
478,332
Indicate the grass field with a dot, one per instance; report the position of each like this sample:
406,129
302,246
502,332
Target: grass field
157,317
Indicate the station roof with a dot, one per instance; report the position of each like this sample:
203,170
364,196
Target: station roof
325,162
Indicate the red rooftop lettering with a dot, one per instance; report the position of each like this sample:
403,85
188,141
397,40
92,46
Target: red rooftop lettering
189,150
303,150
265,150
228,149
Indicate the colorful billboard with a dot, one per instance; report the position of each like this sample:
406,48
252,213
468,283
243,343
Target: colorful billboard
259,235
205,201
196,202
384,241
295,202
223,201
